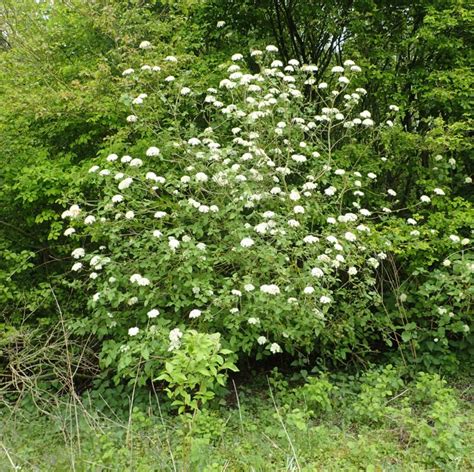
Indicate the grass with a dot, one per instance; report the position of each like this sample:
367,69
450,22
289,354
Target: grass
263,429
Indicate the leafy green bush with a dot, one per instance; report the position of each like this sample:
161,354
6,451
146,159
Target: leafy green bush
250,219
196,369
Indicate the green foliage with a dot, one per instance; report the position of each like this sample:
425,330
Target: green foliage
428,426
196,369
377,387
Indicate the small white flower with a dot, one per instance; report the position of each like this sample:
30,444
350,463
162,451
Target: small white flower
371,175
249,287
136,162
253,321
170,59
153,313
337,69
310,239
247,242
73,212
373,262
317,272
132,119
322,85
350,236
271,48
294,195
261,340
352,271
160,214
330,191
134,278
69,231
117,198
175,335
325,300
173,243
133,331
128,72
293,223
392,192
130,215
77,266
438,191
425,199
446,263
195,313
185,91
261,228
125,183
454,238
237,57
271,289
308,290
298,209
152,151
157,233
201,177
78,253
145,45
275,348
411,221
220,24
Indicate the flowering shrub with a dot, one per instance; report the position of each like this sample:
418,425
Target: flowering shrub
247,215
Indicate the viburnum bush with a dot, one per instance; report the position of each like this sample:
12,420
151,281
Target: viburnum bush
249,213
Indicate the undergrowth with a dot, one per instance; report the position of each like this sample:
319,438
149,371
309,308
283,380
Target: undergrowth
373,421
